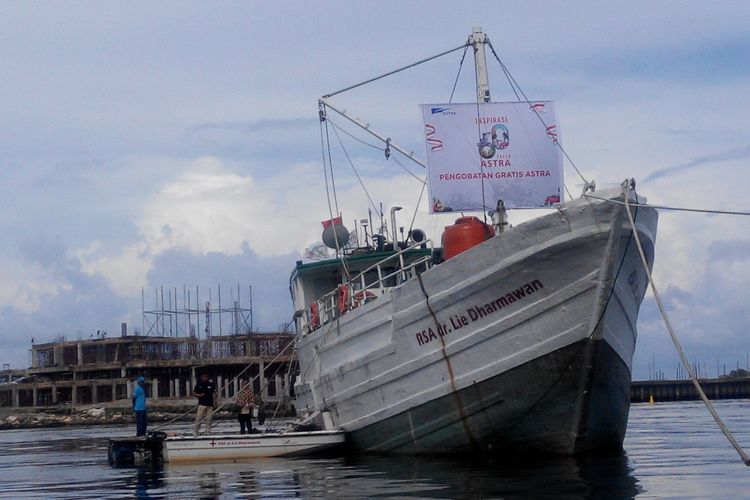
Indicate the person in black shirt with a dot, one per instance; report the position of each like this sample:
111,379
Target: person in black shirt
205,391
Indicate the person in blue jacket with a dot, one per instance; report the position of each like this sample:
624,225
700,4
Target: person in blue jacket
139,406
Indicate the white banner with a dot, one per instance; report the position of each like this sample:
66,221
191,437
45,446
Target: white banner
502,146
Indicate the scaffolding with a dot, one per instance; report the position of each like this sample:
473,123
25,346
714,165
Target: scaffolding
191,317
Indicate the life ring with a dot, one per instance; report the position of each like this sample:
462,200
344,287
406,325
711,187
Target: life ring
362,297
314,316
343,299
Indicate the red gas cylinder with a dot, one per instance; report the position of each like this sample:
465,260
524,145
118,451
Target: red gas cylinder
464,234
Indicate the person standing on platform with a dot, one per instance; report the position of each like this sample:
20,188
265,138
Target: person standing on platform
205,391
139,407
245,402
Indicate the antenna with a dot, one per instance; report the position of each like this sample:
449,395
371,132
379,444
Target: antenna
372,228
382,225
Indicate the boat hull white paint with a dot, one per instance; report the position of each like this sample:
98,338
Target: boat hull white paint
542,316
236,447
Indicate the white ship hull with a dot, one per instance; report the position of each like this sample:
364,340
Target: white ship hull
527,343
224,447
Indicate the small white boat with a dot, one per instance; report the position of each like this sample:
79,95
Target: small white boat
234,447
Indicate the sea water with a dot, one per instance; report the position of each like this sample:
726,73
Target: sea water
671,450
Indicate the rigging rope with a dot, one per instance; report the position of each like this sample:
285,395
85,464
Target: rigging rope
325,167
423,181
323,144
570,196
362,141
528,101
460,65
416,207
677,345
356,173
330,167
422,61
675,209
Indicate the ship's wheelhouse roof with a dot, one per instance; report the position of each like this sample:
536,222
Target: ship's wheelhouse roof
356,262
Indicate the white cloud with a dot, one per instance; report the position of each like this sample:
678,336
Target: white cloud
25,286
212,208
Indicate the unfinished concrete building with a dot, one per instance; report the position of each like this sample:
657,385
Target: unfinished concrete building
102,370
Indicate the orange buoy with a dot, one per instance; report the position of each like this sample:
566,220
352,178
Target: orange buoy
465,233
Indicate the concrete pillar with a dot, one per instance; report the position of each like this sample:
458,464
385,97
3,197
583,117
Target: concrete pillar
279,389
79,347
171,388
188,389
33,395
177,387
54,394
262,379
114,391
236,385
14,397
123,372
94,394
74,395
218,386
193,380
155,389
129,384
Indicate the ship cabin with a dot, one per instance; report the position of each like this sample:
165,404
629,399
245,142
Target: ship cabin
327,289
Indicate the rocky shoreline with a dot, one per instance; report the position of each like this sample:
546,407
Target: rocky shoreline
29,418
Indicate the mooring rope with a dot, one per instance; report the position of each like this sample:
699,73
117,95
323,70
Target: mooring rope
676,342
673,209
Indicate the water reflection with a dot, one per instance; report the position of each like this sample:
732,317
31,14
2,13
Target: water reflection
147,480
373,476
673,450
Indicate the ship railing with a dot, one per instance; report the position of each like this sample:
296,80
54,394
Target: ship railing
390,271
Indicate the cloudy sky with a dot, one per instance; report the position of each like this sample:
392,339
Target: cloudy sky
148,143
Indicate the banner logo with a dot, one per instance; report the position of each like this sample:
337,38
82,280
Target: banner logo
499,139
442,111
434,143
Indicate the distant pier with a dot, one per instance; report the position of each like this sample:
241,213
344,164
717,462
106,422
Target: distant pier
642,391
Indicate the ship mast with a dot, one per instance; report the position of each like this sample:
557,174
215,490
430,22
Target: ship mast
478,40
